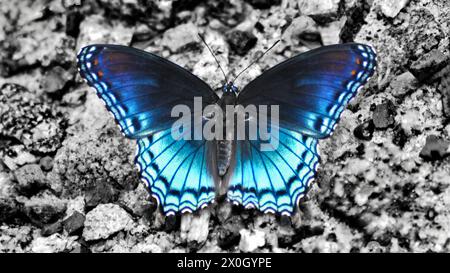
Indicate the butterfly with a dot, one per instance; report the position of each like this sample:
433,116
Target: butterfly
312,89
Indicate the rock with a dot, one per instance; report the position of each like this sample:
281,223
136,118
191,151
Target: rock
129,9
30,179
104,221
136,201
384,114
180,37
435,148
403,84
76,97
330,33
25,116
263,4
44,208
423,34
391,8
229,233
365,130
53,244
303,31
195,228
241,41
355,19
251,240
46,163
445,91
46,136
74,222
99,29
100,193
73,21
323,8
400,138
17,156
51,229
56,78
39,43
428,64
14,239
227,12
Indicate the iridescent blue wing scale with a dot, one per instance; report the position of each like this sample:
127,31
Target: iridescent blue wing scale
273,181
180,173
140,89
313,88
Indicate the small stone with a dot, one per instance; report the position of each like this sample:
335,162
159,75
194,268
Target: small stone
263,4
403,84
435,148
55,79
384,115
30,179
324,8
52,244
428,64
180,37
74,222
73,21
195,228
19,157
400,138
365,130
51,229
104,221
445,91
251,240
100,193
392,8
44,208
303,31
136,201
241,41
46,163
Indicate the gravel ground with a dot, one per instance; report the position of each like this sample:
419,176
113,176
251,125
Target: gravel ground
67,181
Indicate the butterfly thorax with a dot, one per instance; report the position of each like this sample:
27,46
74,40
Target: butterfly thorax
224,147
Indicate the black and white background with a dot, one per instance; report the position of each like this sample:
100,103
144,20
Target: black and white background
67,180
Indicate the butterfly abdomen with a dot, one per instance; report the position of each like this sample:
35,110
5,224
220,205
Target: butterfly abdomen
224,147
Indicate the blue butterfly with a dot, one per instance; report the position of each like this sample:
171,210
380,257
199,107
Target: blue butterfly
312,90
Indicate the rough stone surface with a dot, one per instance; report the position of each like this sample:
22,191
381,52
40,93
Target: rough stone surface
391,8
251,240
104,221
383,181
74,222
435,148
383,115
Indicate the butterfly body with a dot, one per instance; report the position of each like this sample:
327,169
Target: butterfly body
225,145
310,90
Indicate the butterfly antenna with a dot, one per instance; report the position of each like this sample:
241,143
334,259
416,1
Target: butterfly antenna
255,61
212,53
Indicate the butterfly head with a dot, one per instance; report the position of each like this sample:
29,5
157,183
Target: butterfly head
230,87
